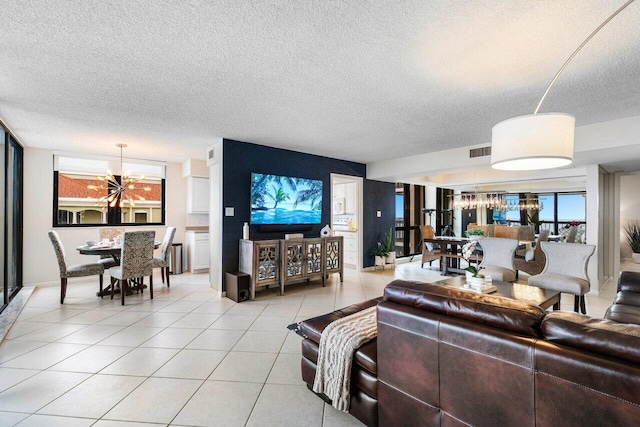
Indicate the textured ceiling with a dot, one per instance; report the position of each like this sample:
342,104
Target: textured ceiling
357,80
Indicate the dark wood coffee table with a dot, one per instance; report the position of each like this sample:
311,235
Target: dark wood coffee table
544,298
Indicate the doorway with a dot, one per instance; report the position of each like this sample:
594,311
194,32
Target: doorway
346,216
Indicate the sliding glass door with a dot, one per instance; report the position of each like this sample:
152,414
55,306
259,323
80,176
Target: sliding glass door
11,217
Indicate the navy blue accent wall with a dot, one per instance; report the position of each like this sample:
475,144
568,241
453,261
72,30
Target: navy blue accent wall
240,159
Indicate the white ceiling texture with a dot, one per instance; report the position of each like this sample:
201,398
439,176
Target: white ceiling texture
357,80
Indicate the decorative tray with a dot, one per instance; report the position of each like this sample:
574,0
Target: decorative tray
488,290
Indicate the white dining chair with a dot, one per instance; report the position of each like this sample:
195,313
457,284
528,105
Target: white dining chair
162,262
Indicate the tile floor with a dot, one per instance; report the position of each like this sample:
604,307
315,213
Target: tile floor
187,358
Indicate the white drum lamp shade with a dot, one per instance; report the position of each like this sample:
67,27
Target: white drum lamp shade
535,141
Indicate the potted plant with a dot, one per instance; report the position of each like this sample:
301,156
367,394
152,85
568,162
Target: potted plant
633,238
472,274
379,252
474,233
390,246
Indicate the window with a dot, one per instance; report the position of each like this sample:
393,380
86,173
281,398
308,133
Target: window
78,189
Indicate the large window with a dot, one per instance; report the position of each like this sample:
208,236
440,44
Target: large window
81,197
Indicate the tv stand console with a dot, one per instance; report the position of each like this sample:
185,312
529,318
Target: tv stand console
271,262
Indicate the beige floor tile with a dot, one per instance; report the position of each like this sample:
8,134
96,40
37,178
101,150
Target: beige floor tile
212,339
11,418
272,323
22,328
181,307
58,315
275,407
91,334
261,341
108,423
89,317
238,322
216,306
284,310
220,404
92,359
248,308
10,349
292,344
286,370
55,421
94,397
30,312
148,305
200,296
172,338
334,418
140,361
196,320
159,320
191,364
157,400
45,356
124,318
51,333
10,377
244,367
132,336
49,386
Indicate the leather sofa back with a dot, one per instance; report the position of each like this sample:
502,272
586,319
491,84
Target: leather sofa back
504,313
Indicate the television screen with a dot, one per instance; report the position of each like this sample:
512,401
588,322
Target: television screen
279,199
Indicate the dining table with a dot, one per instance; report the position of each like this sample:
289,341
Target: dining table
111,249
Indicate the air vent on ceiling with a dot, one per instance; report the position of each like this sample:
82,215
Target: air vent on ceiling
480,152
211,155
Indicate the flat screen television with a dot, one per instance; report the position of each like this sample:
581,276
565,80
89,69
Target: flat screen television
285,200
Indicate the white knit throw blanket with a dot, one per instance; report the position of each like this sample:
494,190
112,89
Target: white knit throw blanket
338,343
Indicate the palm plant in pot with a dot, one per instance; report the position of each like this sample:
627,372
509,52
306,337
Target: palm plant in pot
379,252
633,238
390,246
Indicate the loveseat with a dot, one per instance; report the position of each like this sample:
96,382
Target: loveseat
446,357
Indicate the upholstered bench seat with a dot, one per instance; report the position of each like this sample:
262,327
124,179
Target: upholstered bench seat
364,372
561,283
499,273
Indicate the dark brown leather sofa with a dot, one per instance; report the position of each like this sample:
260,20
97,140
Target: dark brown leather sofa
626,306
449,358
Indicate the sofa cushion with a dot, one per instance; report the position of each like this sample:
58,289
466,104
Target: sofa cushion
559,282
595,335
627,298
622,313
515,316
629,281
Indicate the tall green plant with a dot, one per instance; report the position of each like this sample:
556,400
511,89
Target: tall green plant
389,244
633,236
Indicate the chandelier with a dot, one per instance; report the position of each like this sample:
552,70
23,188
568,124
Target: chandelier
524,204
116,189
494,201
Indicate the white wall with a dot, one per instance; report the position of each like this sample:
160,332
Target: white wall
40,265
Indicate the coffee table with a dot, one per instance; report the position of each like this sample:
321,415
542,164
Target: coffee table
544,298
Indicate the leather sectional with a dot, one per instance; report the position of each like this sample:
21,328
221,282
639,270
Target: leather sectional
445,357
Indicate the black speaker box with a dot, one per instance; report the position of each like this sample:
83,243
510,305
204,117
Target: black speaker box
238,286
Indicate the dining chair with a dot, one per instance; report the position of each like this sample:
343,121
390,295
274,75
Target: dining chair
109,233
430,252
163,261
497,258
67,271
532,260
136,257
566,270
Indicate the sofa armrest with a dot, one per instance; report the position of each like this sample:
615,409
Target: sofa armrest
629,281
600,336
